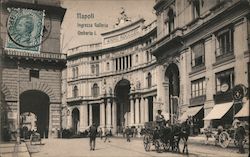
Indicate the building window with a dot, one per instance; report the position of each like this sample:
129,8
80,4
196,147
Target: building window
170,20
95,90
92,69
97,69
196,8
76,72
198,88
73,72
34,74
136,58
75,92
198,54
107,66
224,80
149,79
225,41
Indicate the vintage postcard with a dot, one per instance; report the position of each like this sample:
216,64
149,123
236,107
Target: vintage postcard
120,78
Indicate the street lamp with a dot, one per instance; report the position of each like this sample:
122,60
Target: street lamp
172,106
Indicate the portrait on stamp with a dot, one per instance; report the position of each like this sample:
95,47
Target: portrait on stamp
25,28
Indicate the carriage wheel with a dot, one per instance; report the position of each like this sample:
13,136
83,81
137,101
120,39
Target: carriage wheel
224,139
146,143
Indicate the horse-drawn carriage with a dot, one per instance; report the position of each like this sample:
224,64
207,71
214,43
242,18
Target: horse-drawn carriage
164,138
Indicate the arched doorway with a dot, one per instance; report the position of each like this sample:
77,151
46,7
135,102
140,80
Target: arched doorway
122,90
36,102
75,120
173,80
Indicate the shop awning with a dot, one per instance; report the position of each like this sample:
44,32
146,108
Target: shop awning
219,111
244,112
192,111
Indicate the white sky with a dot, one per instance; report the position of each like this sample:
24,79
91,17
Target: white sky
105,11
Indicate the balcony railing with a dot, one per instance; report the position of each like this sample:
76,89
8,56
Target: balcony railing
42,55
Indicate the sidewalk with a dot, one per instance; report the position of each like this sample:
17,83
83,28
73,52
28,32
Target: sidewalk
13,150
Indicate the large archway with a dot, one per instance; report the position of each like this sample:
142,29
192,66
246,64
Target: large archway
122,90
75,120
36,102
173,80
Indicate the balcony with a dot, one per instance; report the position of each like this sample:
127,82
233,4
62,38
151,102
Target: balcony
197,100
42,55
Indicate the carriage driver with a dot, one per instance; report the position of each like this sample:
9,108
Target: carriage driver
160,120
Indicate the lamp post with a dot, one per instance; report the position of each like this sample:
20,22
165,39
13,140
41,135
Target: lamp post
18,103
172,106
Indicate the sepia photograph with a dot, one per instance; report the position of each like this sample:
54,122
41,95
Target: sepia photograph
124,78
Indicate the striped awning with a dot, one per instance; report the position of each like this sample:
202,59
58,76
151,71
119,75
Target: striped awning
192,111
244,112
219,111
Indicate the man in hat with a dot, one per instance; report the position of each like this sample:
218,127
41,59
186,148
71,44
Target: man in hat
160,120
240,136
92,136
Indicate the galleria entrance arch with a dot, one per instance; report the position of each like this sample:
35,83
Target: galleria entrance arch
122,90
36,102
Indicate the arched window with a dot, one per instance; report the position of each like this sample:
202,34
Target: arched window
95,90
136,58
149,77
170,20
75,92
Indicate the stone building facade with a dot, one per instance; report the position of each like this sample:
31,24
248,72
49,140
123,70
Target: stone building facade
31,82
113,83
207,41
187,64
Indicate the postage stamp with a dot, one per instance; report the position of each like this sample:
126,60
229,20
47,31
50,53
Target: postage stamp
25,29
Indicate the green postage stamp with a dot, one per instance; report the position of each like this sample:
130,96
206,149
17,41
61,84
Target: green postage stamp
25,29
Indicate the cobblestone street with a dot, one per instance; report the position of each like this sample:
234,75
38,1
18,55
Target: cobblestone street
118,147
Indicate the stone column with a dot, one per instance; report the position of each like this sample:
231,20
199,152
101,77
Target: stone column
137,111
108,114
69,120
146,118
90,114
83,117
132,111
154,108
102,115
142,110
114,118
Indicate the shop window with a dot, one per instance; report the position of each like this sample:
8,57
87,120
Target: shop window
95,90
198,88
225,42
75,92
198,54
224,81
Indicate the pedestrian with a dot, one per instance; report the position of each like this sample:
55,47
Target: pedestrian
107,134
128,133
240,137
100,133
92,136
